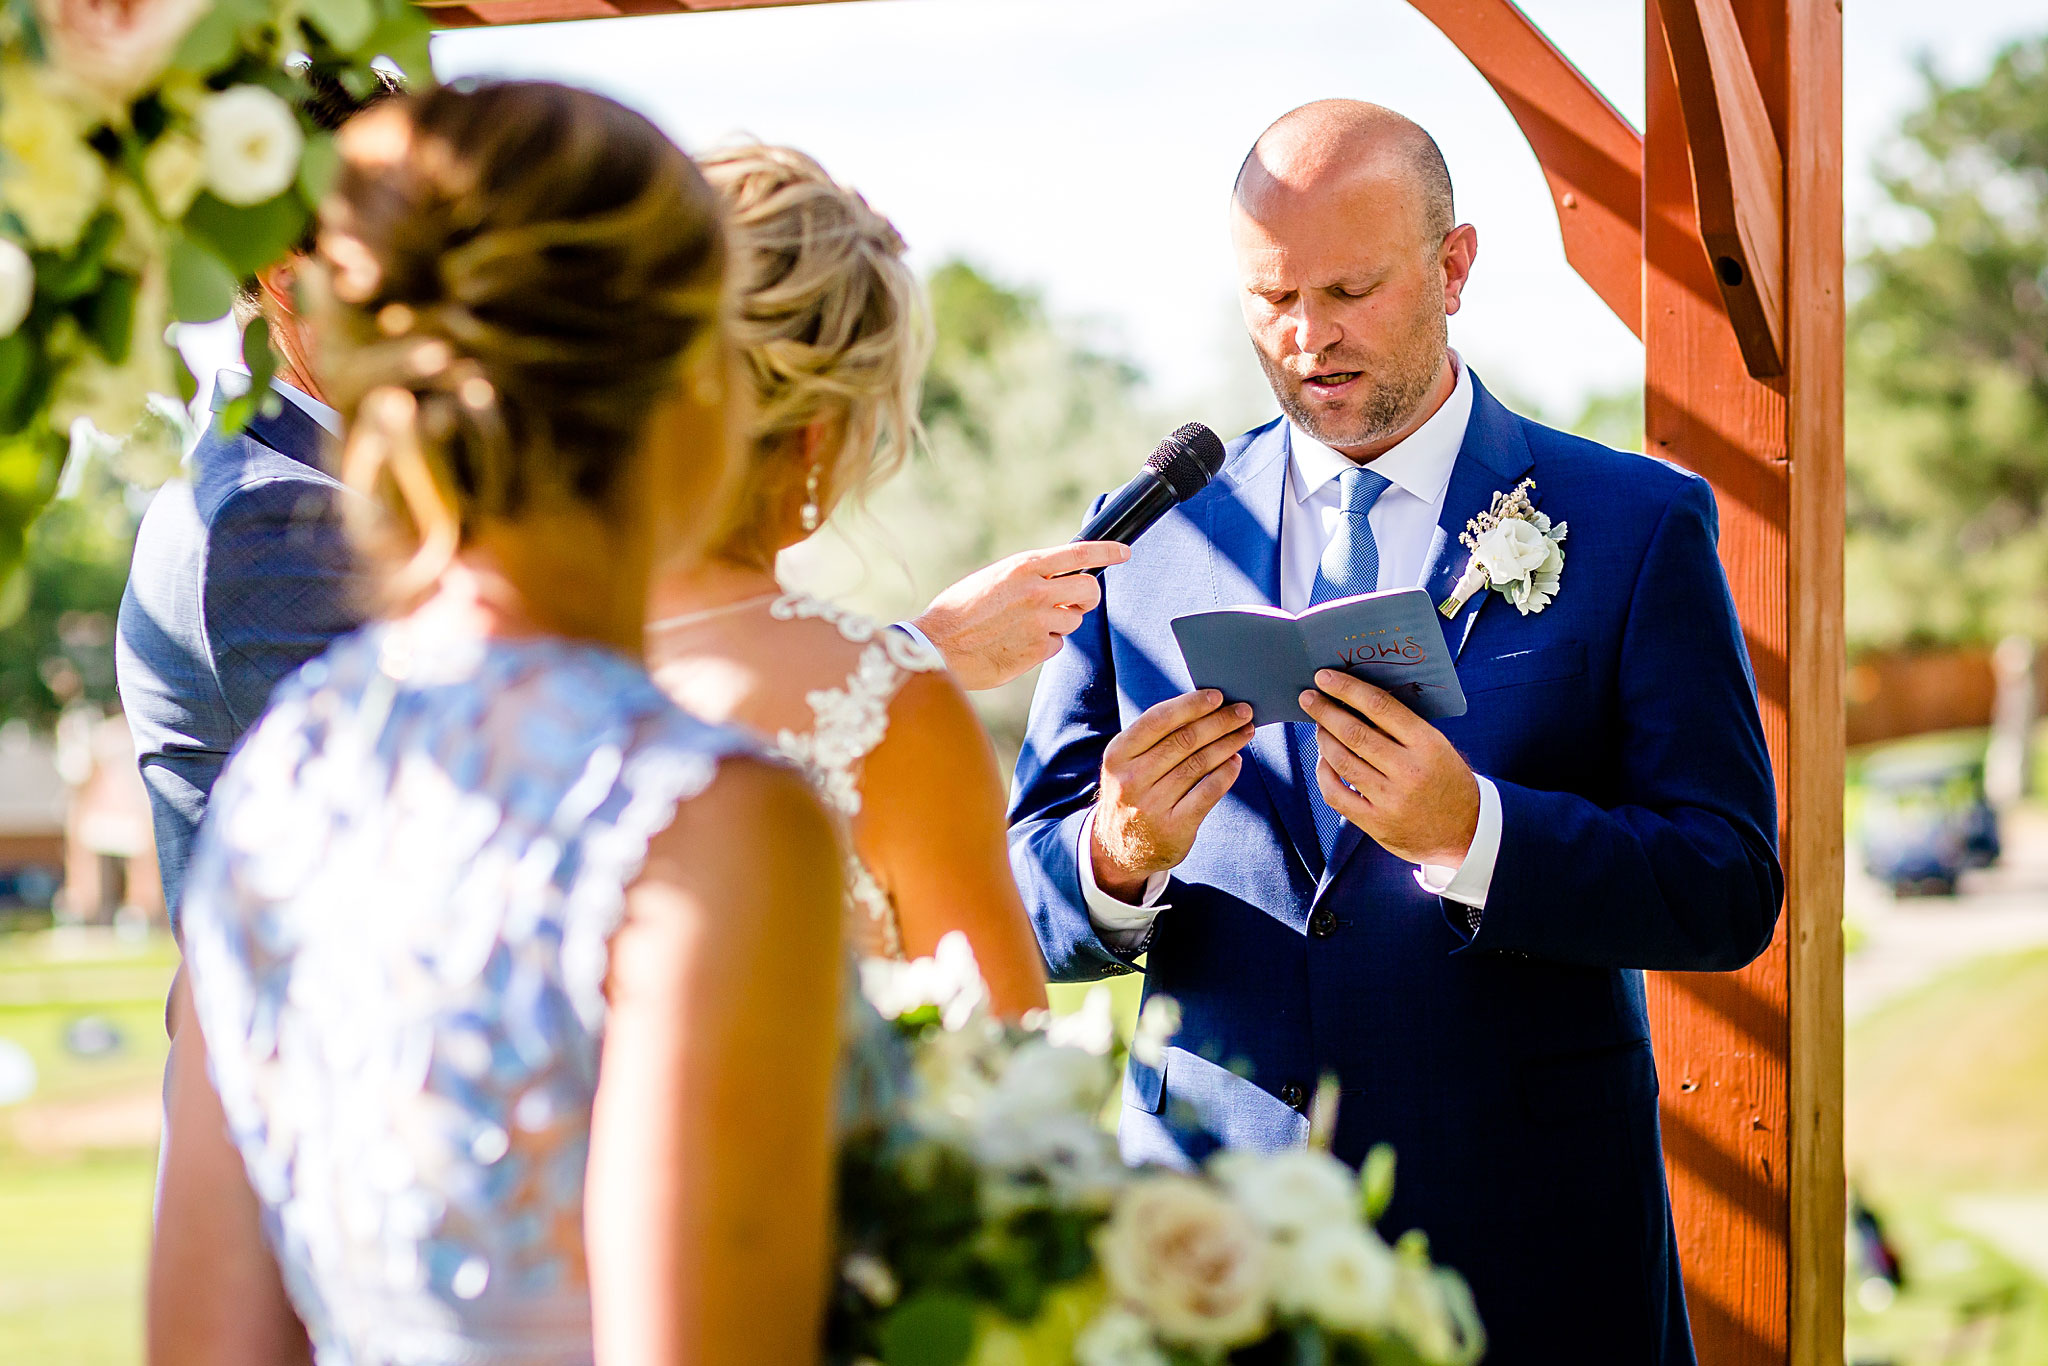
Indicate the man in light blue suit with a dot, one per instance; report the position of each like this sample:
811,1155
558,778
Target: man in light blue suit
242,572
1451,920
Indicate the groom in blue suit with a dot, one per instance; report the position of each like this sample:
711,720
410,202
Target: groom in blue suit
1451,920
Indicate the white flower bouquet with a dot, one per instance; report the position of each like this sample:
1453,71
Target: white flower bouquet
153,153
985,1219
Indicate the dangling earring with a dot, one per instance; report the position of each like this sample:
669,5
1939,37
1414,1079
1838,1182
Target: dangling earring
810,515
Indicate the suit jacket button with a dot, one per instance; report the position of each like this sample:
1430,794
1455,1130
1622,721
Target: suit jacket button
1294,1095
1322,923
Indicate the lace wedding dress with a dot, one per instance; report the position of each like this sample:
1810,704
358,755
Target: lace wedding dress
848,722
397,926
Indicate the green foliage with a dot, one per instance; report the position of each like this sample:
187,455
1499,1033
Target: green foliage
59,649
1948,371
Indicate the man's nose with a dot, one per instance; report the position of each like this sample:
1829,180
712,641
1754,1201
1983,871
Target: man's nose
1315,331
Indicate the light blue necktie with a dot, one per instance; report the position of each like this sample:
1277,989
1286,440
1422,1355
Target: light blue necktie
1350,564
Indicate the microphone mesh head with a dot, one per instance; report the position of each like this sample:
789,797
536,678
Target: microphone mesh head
1187,460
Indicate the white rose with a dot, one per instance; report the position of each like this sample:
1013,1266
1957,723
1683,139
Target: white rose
1290,1193
17,286
1071,1151
250,143
174,170
950,979
1342,1277
1419,1312
52,180
1190,1261
1092,1028
1510,551
1044,1078
1118,1338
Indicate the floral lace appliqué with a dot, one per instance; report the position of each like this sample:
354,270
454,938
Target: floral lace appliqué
847,724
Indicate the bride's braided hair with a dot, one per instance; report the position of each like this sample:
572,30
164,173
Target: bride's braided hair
828,319
518,272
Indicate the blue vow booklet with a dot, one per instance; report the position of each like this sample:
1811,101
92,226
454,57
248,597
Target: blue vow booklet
1268,657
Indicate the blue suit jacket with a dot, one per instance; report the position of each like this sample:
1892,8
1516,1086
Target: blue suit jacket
1510,1068
241,574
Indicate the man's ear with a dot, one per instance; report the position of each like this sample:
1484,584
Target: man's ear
279,281
1460,249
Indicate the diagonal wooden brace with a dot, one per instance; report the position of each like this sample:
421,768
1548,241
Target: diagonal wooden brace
1591,158
1738,173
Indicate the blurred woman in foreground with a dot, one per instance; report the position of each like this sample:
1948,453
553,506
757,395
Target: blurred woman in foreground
519,986
830,326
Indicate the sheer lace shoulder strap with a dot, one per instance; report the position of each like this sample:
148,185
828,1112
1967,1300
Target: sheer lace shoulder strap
849,721
905,651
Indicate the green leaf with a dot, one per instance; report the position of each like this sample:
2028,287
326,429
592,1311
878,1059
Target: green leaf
60,279
1376,1181
188,383
113,316
347,24
402,37
931,1328
248,239
202,289
317,167
212,43
259,355
17,360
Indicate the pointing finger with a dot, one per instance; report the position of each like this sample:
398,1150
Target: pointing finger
1074,557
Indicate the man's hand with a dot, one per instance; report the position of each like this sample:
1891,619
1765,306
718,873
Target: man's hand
1160,780
1408,787
1001,621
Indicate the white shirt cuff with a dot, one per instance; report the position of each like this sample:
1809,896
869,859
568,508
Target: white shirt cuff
910,629
1468,883
1123,926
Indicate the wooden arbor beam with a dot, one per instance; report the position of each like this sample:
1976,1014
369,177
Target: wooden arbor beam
1738,173
1590,156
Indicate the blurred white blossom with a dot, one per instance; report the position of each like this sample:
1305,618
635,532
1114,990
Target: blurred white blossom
250,143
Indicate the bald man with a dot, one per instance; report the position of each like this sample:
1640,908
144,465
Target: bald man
1452,919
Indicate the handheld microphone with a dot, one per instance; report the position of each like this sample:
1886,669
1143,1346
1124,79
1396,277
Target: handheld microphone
1180,468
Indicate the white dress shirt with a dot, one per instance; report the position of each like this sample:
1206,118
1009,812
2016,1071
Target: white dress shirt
1403,525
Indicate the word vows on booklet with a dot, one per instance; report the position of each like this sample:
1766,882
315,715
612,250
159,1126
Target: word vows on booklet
1268,657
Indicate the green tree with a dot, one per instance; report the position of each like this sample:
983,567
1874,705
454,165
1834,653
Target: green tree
1948,370
60,648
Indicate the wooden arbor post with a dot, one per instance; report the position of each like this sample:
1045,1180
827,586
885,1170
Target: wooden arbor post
1716,235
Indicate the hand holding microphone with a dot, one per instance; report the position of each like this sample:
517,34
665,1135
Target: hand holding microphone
1000,622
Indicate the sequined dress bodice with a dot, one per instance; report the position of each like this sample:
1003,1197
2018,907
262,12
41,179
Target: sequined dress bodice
397,926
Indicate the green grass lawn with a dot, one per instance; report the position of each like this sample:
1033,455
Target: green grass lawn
76,1167
1947,1114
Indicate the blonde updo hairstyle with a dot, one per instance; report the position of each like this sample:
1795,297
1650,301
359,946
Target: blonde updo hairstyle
517,274
830,326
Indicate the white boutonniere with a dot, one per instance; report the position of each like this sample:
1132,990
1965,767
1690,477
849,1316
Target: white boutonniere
1516,551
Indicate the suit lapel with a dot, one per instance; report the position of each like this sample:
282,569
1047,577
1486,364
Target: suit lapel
1493,458
1244,549
290,430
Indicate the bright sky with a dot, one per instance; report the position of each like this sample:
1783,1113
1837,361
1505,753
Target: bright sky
1086,147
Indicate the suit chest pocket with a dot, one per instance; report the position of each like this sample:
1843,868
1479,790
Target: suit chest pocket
1512,669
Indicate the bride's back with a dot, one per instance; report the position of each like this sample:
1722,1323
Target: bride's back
486,937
